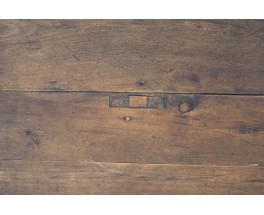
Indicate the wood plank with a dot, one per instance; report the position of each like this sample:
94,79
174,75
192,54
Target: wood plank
213,130
182,56
88,177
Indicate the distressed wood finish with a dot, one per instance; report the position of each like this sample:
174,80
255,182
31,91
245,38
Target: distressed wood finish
218,130
198,56
131,107
89,177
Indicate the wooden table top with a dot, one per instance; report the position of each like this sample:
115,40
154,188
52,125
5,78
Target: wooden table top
131,107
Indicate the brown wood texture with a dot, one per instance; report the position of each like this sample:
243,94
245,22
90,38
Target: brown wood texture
197,56
219,130
131,107
89,177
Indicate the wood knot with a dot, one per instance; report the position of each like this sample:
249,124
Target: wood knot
184,107
187,103
141,83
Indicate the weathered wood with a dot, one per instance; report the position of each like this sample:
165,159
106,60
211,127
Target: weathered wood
131,106
197,56
89,177
214,130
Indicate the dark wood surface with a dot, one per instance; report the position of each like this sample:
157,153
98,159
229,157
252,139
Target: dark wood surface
206,56
131,107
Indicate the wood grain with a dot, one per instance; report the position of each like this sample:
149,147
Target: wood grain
89,177
178,56
219,130
131,106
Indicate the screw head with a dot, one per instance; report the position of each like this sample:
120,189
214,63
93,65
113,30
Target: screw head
127,118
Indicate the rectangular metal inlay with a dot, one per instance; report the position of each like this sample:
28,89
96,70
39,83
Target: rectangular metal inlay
137,101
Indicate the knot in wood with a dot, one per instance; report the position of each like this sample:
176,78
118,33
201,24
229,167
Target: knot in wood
184,107
141,83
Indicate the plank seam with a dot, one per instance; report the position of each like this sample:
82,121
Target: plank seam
132,92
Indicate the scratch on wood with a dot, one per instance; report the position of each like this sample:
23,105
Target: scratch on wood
37,24
253,165
75,57
33,136
232,136
27,38
199,120
90,161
